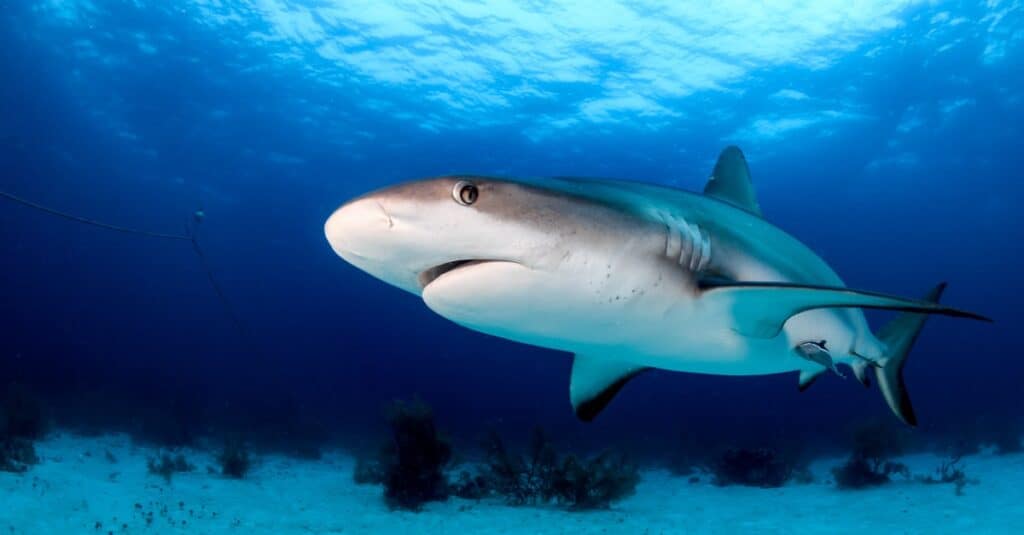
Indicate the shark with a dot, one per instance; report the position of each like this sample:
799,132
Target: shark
630,276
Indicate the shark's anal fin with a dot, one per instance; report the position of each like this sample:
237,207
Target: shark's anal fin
730,181
807,378
760,309
595,382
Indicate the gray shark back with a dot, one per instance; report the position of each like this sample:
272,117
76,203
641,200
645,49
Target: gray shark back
738,231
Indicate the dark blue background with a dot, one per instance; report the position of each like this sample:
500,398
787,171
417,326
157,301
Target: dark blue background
113,328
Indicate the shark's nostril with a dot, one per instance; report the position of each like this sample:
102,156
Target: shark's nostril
391,222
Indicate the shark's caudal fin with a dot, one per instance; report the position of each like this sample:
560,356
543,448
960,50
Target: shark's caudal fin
899,335
595,381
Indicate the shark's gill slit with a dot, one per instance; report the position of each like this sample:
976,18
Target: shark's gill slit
673,242
688,245
705,250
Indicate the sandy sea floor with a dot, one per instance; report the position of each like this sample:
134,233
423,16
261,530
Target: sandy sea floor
79,488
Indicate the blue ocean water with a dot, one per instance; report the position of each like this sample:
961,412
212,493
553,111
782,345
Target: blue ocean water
884,135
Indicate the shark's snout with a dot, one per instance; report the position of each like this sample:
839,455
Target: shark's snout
356,227
414,234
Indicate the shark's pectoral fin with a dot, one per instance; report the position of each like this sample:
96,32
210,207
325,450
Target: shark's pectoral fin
595,381
807,378
760,309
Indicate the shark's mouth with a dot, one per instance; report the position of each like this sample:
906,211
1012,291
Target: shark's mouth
436,272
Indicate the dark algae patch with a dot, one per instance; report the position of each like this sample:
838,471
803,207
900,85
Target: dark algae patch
414,469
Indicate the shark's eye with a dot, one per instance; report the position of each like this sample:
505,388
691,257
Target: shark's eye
465,193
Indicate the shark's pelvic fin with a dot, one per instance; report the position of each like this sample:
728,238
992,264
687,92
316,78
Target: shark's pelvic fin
807,378
899,335
760,309
595,381
860,371
730,181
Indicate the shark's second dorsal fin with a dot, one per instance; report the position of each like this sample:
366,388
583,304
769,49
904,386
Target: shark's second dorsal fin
594,383
730,181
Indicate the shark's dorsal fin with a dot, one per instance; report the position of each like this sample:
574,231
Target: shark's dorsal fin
730,181
595,381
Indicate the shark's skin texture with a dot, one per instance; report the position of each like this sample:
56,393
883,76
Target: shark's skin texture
611,271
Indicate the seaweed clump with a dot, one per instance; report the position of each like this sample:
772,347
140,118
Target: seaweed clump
166,465
234,459
21,421
868,465
949,472
22,414
519,479
17,454
413,462
412,469
761,467
471,486
595,483
543,476
859,472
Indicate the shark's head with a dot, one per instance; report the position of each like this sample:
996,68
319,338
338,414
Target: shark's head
492,254
447,238
413,234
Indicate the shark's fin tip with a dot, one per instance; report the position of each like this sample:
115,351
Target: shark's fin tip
807,378
595,382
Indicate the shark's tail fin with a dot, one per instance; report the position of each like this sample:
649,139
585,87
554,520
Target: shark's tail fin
899,336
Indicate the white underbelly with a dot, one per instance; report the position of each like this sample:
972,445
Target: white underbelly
648,315
690,342
650,329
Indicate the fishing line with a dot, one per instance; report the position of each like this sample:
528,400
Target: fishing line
99,224
191,235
